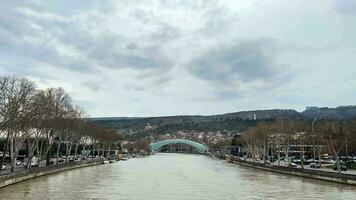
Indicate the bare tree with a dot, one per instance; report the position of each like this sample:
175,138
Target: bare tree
334,133
17,101
42,117
56,105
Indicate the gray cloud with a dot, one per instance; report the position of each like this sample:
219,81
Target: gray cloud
166,33
135,87
131,46
188,5
87,105
218,20
181,53
226,94
245,61
143,16
92,85
29,34
110,50
25,40
346,6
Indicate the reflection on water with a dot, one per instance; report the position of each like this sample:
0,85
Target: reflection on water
174,176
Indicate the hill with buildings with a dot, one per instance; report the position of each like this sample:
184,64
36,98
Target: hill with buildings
229,122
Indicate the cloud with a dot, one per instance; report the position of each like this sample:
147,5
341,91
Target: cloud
166,33
345,6
87,105
186,57
218,21
244,61
131,46
92,85
69,42
24,39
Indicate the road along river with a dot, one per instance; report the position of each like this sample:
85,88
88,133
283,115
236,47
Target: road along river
174,176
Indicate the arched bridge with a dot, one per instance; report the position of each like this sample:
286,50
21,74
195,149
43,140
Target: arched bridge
199,148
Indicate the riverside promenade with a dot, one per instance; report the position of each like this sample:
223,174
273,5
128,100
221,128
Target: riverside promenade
319,174
23,175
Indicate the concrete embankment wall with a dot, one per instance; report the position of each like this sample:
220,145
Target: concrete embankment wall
10,179
306,173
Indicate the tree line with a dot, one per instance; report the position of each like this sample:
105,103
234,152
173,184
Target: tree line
42,119
299,137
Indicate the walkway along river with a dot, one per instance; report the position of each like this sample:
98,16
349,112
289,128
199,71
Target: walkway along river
174,176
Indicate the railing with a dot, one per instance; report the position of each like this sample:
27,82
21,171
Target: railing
49,168
311,172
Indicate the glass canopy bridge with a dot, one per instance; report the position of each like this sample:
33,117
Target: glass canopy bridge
178,146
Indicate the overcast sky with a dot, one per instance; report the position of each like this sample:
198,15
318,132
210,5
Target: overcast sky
172,57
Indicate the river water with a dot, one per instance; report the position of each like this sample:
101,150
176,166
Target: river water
174,176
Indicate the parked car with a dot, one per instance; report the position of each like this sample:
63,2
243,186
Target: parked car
18,162
350,162
34,162
328,161
292,165
325,156
2,154
297,161
315,165
342,167
309,161
70,159
60,161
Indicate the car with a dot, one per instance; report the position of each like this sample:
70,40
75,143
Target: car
328,161
3,167
297,161
281,159
350,162
60,161
292,165
34,162
315,165
342,167
18,163
2,154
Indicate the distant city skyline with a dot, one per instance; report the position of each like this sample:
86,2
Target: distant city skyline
164,58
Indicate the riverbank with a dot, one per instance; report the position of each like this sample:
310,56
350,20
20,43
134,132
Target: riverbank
306,173
17,177
174,177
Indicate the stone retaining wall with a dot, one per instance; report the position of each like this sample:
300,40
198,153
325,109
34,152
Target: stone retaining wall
17,177
307,173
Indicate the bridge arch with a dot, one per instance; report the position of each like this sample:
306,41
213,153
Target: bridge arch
200,148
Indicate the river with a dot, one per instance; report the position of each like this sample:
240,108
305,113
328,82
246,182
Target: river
174,176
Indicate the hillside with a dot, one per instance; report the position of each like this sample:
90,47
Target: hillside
230,122
341,112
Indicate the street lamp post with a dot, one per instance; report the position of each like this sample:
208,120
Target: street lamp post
314,120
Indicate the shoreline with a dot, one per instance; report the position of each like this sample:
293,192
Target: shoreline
334,177
18,177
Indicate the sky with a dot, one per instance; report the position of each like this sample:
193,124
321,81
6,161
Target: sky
178,57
